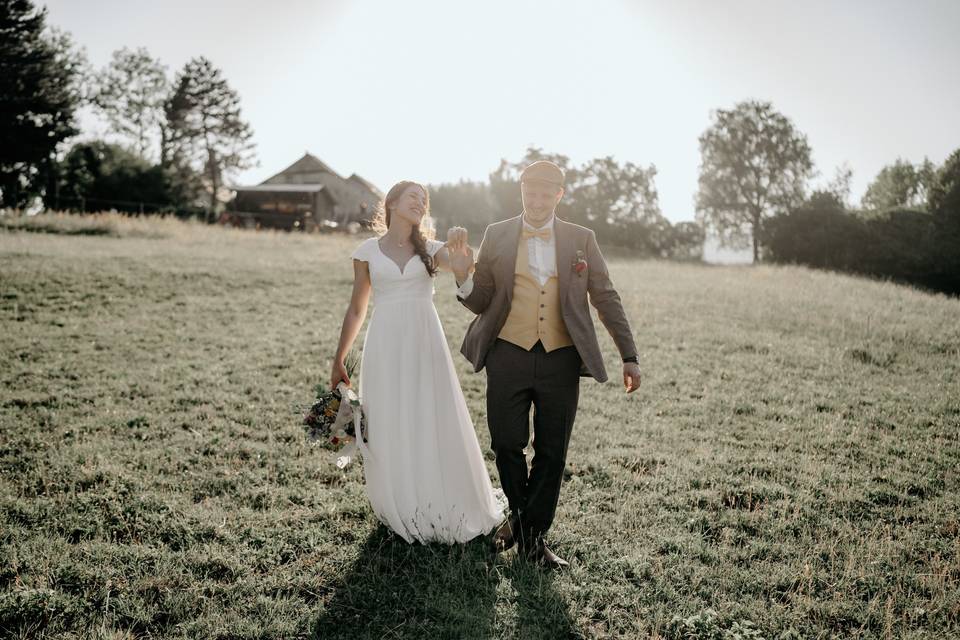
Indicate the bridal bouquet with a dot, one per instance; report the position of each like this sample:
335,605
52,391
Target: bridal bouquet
334,415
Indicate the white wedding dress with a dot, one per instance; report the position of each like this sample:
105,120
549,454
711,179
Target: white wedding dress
425,474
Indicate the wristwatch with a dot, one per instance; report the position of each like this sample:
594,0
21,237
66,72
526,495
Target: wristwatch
633,359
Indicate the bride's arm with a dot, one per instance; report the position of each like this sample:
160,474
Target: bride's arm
441,259
352,321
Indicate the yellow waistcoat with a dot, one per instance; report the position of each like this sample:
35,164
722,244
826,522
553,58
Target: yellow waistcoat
535,310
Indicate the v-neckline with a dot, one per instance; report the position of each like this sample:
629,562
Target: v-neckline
392,261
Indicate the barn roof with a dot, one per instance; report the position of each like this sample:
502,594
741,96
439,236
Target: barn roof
366,184
351,196
309,163
287,188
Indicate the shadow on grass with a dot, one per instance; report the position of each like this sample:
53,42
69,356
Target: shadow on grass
399,590
541,612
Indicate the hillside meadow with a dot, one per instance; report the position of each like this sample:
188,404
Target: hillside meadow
788,468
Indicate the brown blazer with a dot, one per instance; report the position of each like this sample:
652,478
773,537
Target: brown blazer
493,291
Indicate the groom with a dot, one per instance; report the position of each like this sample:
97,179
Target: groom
529,288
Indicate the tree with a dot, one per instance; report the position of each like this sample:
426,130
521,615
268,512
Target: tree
101,175
613,194
131,95
834,195
944,194
620,203
39,93
754,164
824,199
465,204
839,186
72,58
205,127
900,184
944,203
927,173
686,241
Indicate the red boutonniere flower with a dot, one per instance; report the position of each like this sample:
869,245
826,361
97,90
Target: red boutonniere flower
580,264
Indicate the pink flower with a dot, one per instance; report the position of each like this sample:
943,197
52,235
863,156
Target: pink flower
580,264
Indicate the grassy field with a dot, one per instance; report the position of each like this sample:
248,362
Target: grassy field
789,468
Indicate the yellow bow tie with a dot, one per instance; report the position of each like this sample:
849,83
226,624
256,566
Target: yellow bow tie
543,234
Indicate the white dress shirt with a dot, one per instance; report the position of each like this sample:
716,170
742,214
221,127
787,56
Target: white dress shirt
541,256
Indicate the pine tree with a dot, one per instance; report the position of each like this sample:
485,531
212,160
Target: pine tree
204,126
39,95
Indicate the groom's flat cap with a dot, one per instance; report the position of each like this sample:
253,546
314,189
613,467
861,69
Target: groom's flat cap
543,171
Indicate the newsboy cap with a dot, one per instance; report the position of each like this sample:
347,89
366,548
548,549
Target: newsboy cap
543,171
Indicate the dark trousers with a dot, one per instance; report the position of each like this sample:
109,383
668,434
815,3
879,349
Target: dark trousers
550,382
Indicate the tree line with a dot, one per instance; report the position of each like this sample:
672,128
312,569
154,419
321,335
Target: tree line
174,139
907,229
754,189
618,201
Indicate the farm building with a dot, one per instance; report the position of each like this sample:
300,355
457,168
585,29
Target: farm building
306,195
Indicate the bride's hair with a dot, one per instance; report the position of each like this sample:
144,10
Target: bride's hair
381,222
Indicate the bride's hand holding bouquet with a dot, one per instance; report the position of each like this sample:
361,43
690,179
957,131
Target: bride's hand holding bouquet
334,414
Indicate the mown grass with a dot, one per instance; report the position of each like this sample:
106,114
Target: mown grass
110,224
788,468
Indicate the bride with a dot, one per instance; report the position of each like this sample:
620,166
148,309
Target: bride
425,475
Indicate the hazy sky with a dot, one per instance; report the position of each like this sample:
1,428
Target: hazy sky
438,90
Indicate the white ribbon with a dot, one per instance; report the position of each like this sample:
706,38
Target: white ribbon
347,412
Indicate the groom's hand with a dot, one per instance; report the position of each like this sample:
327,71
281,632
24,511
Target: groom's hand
461,253
456,239
631,376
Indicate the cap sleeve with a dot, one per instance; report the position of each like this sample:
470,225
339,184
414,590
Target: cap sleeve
433,246
364,250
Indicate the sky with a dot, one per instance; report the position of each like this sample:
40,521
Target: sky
440,90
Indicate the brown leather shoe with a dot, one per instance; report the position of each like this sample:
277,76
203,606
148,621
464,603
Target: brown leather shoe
506,537
541,554
551,560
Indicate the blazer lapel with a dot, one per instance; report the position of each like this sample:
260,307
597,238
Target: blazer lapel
508,262
564,251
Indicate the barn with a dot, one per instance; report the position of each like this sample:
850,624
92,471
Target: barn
307,195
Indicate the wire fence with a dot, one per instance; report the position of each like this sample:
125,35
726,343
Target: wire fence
133,207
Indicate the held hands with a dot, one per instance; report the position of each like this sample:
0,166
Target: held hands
461,253
631,376
337,374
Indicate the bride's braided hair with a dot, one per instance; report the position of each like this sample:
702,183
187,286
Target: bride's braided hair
418,237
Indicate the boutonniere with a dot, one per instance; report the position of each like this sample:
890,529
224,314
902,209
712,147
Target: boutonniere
580,263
